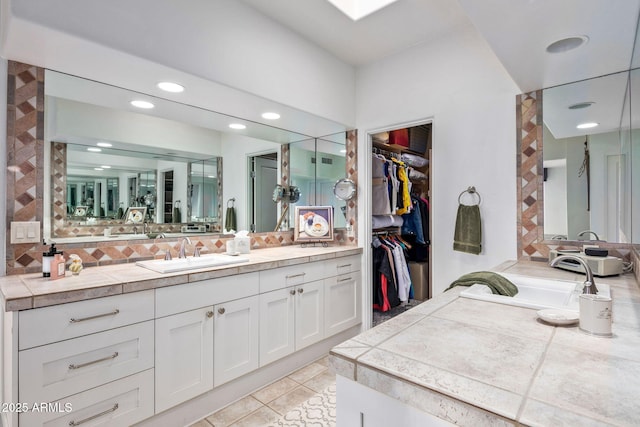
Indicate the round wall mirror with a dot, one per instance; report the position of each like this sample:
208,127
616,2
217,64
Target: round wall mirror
344,189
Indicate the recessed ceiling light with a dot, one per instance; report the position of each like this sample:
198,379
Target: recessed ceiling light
142,104
566,44
237,126
587,125
581,105
94,149
104,144
98,169
171,87
105,167
270,116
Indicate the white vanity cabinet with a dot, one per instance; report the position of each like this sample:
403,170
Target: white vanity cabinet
96,355
129,358
324,301
235,339
184,356
206,334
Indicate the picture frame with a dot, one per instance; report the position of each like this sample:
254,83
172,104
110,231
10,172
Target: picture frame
313,224
135,215
80,211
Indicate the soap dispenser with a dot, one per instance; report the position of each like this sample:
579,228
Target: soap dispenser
47,257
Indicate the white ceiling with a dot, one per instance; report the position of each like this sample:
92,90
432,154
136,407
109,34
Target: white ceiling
518,31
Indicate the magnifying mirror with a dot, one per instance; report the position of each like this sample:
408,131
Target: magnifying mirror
344,189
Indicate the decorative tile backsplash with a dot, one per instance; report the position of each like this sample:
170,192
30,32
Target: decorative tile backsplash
25,190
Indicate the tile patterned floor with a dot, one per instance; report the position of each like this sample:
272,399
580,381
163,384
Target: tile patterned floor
307,397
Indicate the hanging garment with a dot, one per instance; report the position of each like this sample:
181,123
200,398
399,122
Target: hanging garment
413,222
385,293
380,204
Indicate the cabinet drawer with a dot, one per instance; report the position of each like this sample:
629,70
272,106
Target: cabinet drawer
190,296
60,322
64,368
346,264
119,403
279,278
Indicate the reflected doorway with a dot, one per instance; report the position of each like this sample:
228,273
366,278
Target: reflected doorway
263,179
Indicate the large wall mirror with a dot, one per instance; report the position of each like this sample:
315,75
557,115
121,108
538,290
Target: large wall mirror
103,155
591,159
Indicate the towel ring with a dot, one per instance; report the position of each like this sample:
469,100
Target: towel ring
470,190
232,201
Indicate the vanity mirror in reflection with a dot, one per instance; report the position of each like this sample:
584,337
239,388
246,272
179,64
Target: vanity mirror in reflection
588,162
316,165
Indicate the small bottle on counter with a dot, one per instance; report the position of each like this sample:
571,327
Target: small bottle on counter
47,258
57,267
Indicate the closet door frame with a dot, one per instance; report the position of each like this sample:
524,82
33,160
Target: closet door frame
365,139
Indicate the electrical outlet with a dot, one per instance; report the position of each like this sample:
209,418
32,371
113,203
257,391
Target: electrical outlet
25,232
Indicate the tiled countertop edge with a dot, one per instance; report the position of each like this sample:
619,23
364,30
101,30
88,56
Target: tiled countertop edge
16,294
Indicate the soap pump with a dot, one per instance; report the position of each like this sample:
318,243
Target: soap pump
47,257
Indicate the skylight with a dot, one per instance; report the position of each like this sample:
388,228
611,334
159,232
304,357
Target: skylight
358,9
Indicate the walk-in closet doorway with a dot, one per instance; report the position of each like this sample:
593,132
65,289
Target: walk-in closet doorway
398,145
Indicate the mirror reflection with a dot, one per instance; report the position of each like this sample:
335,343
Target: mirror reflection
107,156
316,165
588,160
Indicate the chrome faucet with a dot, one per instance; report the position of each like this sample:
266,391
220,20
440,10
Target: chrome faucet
582,233
182,253
589,284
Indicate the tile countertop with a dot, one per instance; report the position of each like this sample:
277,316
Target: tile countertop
476,363
23,292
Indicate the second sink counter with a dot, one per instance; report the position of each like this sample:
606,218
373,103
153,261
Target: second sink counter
478,363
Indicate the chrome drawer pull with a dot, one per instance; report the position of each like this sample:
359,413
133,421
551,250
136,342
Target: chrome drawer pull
82,319
296,275
93,417
344,280
82,365
344,265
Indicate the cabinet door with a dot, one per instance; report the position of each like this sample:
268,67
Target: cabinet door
184,356
342,302
309,302
235,339
277,328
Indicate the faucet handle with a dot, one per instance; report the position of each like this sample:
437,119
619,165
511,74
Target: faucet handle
196,251
167,256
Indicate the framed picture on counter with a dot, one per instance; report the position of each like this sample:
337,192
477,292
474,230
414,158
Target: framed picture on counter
135,215
313,223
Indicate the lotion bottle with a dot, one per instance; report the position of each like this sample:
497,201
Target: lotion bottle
57,267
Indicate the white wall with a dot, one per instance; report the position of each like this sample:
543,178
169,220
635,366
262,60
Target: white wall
238,48
460,84
235,173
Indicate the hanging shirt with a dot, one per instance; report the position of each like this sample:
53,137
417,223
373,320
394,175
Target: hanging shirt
379,187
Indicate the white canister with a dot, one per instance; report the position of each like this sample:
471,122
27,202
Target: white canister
231,247
595,314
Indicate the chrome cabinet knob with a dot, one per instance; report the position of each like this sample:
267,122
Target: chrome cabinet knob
209,314
221,310
300,290
292,291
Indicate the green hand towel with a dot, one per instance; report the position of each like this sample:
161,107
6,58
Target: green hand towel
230,220
177,216
498,284
468,233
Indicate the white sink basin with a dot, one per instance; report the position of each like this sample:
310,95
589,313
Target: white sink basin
534,292
190,263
